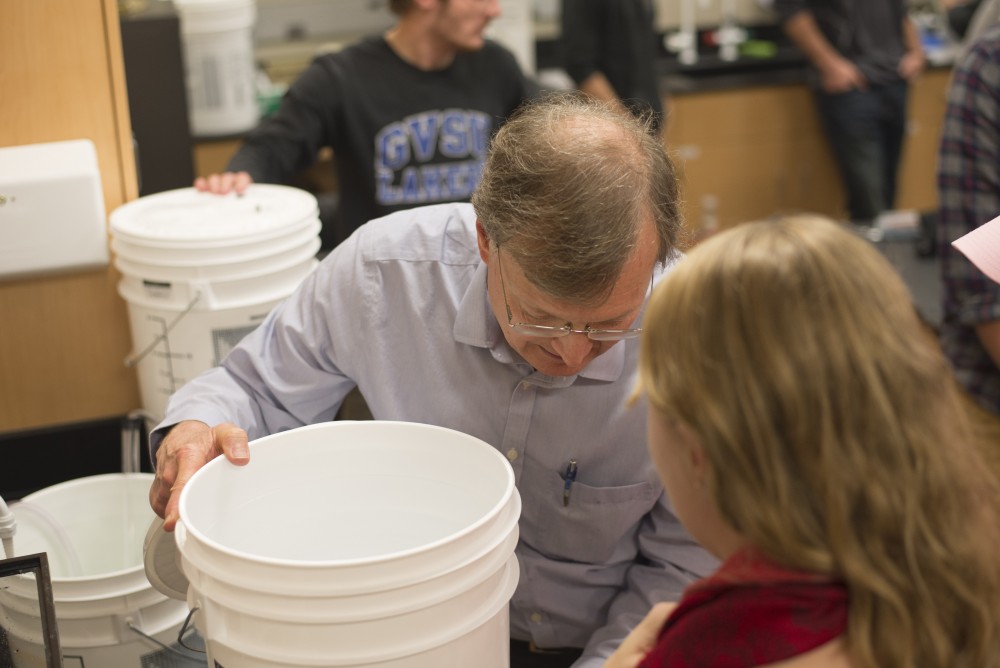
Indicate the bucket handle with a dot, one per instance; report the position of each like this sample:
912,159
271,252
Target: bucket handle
180,638
184,626
135,358
136,629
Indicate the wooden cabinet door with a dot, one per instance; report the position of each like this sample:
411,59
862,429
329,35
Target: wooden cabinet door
760,151
64,337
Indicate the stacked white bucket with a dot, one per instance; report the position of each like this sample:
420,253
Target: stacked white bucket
219,64
91,530
200,271
376,544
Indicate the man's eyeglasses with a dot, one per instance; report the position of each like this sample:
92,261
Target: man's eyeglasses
548,332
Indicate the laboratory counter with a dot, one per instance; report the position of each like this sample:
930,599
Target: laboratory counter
744,133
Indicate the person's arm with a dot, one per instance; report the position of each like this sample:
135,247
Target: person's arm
669,560
913,61
285,143
582,25
598,87
837,74
642,639
969,187
989,336
290,140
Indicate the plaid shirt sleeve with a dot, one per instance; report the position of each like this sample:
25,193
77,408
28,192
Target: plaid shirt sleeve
968,177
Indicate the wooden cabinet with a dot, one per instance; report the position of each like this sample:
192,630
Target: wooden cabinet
917,175
211,156
64,337
760,151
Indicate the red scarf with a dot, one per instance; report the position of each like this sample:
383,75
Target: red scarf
750,612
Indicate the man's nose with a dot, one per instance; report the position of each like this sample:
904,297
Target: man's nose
573,348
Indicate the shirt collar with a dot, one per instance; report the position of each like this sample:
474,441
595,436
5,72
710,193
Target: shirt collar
475,325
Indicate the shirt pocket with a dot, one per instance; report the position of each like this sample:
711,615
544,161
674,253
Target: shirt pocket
598,524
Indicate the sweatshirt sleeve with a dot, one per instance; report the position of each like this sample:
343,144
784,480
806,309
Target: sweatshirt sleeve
290,140
786,9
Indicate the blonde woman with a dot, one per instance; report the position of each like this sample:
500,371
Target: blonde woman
809,436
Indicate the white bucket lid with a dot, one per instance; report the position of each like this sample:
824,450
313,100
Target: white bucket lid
188,218
161,562
216,254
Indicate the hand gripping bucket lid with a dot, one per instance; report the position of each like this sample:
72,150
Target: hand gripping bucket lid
107,613
348,544
200,271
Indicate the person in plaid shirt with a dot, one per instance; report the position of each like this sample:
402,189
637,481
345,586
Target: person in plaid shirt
969,195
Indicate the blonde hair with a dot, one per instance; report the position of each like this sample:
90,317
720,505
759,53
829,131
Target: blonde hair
837,443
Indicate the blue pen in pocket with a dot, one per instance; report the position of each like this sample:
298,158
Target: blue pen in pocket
570,477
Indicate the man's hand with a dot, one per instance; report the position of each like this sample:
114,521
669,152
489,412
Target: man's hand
912,64
189,446
222,184
840,75
642,638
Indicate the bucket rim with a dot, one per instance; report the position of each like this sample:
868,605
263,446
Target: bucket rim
140,585
235,253
298,208
268,441
289,259
89,481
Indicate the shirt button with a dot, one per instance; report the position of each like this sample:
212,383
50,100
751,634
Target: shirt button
536,618
512,454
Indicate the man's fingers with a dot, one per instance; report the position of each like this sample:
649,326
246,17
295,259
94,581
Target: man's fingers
159,495
241,182
188,461
224,183
233,443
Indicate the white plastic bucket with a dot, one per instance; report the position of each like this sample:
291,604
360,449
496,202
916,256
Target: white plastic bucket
200,271
379,544
217,37
91,530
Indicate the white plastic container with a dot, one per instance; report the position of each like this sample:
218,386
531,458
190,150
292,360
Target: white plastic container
52,215
200,271
217,38
91,529
378,544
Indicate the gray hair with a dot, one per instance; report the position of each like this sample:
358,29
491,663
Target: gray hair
567,186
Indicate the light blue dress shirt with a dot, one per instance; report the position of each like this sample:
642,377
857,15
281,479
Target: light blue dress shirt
401,310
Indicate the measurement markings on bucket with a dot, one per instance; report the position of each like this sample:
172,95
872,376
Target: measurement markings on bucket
167,371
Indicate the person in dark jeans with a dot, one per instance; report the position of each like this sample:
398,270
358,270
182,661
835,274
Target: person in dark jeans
863,55
866,129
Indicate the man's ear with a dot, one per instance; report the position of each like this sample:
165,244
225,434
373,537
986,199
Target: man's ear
483,241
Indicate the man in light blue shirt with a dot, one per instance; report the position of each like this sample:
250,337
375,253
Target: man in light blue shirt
512,319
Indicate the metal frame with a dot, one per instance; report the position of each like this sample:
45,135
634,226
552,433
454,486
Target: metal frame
39,565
